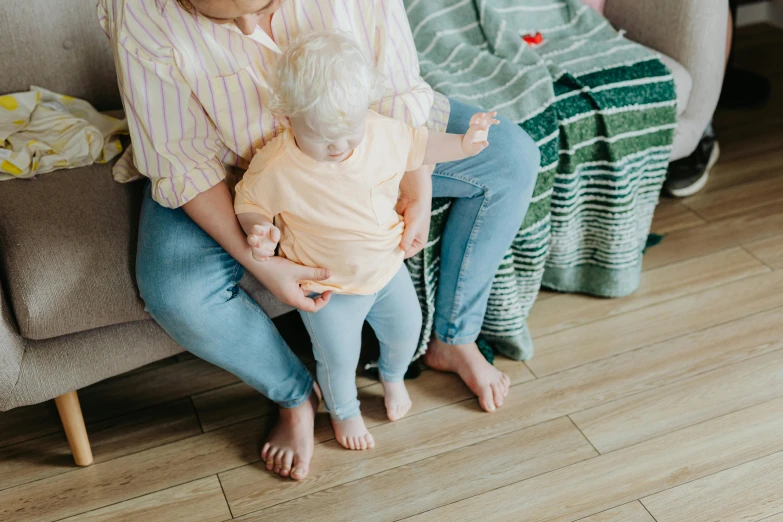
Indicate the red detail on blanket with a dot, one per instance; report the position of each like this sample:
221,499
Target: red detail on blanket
533,39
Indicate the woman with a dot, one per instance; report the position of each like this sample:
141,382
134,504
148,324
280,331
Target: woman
189,75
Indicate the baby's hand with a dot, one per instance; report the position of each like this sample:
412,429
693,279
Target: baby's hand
263,241
475,140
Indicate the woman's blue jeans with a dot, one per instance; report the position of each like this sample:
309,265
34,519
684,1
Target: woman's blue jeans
189,284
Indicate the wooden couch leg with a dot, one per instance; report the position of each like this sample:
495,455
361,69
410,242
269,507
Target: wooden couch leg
75,431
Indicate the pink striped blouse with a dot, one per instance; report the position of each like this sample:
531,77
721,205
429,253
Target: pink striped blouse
194,90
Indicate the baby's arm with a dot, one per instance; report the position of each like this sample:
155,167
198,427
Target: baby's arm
442,147
262,234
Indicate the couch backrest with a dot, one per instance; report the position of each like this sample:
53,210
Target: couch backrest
58,45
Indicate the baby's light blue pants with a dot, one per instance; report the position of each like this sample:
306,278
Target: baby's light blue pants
336,333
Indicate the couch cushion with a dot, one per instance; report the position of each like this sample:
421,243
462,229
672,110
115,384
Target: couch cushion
67,249
67,242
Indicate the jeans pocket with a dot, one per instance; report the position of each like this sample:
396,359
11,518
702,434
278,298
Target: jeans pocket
384,200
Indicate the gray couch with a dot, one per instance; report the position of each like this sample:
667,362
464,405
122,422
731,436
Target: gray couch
70,314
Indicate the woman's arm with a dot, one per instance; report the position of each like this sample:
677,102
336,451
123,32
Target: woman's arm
213,211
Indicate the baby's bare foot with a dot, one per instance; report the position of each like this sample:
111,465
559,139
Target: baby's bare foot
396,398
352,433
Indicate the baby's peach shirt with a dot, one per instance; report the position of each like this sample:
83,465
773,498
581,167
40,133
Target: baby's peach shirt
339,216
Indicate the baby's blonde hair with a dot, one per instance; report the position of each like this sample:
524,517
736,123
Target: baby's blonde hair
325,77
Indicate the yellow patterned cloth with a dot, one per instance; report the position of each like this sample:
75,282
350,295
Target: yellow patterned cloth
42,131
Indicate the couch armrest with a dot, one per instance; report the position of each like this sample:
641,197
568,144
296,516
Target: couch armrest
11,352
693,32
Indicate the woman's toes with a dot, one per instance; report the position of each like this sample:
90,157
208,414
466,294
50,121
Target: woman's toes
300,470
486,398
497,392
288,458
265,450
270,459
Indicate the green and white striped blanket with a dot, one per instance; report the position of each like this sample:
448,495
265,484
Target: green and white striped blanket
603,111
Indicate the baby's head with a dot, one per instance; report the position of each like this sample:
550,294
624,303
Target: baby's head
324,86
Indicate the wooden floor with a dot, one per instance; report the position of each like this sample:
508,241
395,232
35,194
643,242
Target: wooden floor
665,406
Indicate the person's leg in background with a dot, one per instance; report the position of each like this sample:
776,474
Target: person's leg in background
189,285
492,192
336,335
395,317
741,88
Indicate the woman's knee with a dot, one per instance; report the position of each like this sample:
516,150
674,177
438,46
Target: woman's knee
517,157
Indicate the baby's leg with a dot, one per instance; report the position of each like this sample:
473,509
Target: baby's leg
336,334
396,319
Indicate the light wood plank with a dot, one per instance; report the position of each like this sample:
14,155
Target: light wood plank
157,384
130,392
28,422
530,403
625,332
740,198
777,517
633,512
768,250
430,432
760,167
544,294
671,215
621,476
134,475
742,144
197,501
239,402
640,417
718,235
440,480
658,285
229,405
197,457
49,456
751,491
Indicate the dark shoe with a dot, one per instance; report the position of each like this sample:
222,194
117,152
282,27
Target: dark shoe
743,89
689,175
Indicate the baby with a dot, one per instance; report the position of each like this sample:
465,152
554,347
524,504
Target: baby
325,189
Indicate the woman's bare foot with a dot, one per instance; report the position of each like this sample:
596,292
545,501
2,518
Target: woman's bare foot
396,399
290,446
487,382
352,433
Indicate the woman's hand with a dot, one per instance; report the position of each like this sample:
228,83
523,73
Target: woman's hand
283,279
475,139
415,207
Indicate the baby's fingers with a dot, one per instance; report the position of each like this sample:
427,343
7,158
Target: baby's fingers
254,240
274,234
